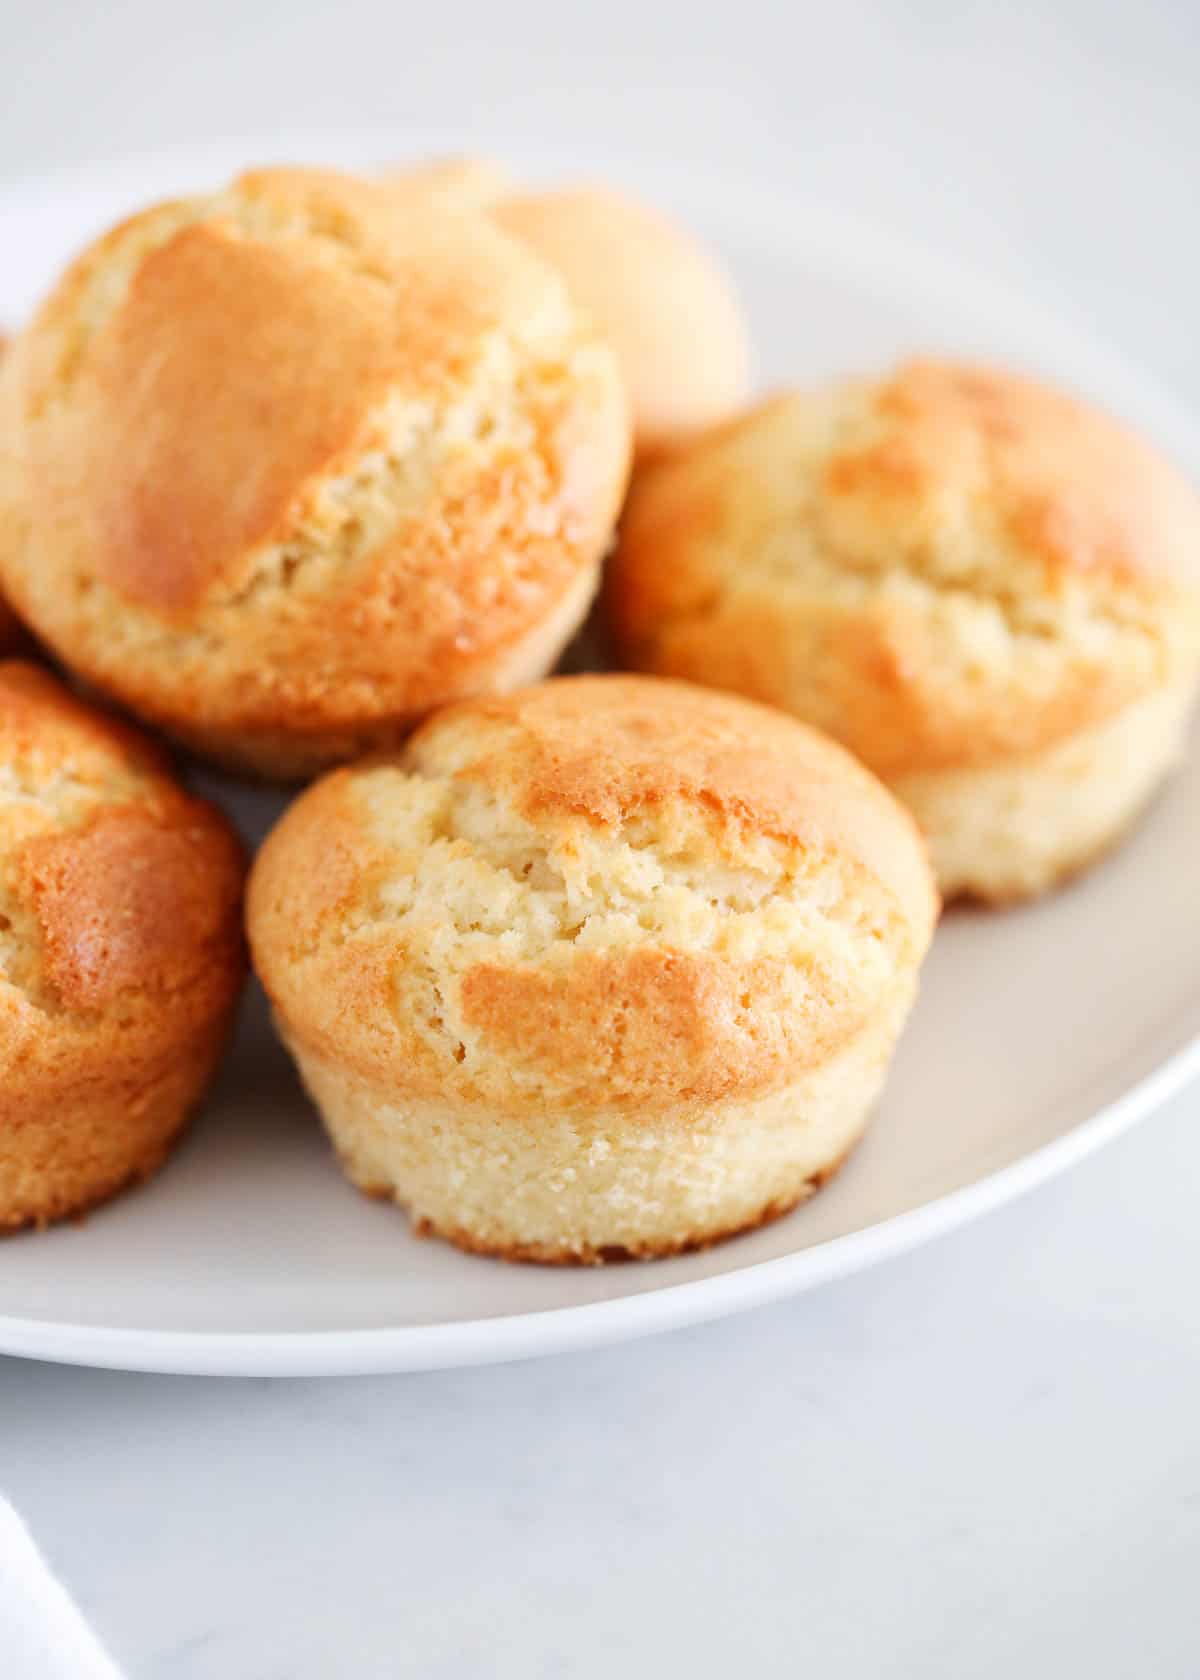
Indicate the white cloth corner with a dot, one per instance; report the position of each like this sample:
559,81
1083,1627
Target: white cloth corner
42,1634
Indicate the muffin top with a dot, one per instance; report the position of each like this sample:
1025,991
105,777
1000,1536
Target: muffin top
290,457
119,894
601,891
950,566
660,297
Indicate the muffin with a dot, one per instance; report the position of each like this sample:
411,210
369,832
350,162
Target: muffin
121,954
610,967
284,468
660,297
985,589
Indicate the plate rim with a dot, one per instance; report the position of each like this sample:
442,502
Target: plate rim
859,243
525,1335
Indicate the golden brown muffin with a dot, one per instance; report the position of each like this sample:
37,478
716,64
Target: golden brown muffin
659,296
284,468
985,589
607,967
121,954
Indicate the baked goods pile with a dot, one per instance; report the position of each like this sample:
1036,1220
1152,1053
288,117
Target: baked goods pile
318,475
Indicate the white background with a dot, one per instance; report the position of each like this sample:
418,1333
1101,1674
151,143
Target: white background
980,1461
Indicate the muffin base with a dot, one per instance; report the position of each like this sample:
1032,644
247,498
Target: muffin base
583,1189
74,1194
295,750
619,1253
1004,833
63,1154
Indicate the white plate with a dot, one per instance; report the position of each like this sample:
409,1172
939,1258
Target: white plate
1039,1034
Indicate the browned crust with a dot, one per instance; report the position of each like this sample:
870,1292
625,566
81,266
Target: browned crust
135,904
290,330
130,902
60,1204
605,747
653,1025
1074,486
542,1254
67,1149
40,715
124,955
73,1199
169,517
948,457
646,1023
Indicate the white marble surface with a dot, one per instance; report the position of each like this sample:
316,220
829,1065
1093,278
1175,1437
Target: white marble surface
984,1459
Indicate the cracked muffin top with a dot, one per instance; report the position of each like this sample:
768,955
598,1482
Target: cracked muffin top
120,936
948,567
286,466
601,891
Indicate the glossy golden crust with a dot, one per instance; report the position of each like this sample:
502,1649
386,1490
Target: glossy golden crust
658,294
286,467
120,950
953,567
642,1026
172,524
161,877
599,893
